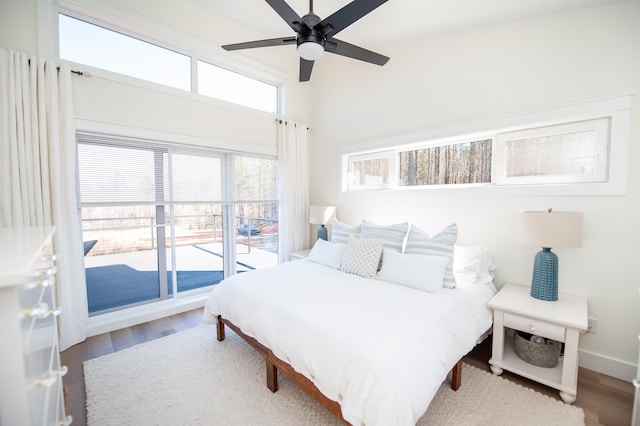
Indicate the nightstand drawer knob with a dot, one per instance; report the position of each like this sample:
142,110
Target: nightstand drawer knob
533,326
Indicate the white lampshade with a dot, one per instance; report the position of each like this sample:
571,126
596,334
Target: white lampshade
551,229
321,215
310,50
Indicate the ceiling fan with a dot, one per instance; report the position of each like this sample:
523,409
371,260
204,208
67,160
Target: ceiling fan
314,36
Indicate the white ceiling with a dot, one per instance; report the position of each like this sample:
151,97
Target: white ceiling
394,21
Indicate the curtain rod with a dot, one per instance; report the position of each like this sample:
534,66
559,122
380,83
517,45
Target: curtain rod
76,72
286,123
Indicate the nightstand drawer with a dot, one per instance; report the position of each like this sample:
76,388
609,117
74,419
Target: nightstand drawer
536,327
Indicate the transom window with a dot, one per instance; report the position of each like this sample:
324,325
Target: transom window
576,156
85,43
466,162
567,153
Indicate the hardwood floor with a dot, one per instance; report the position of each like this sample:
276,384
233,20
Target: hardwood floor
605,400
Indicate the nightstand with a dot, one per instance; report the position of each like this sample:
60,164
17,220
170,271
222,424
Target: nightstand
561,320
302,254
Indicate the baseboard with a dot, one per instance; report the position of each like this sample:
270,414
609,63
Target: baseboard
112,321
610,366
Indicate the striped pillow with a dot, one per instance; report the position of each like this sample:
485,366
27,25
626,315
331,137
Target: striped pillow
420,242
340,232
392,236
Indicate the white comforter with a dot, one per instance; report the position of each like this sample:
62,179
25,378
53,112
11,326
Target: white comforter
380,349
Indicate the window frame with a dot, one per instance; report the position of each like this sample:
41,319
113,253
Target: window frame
600,126
159,35
390,155
113,135
615,109
440,143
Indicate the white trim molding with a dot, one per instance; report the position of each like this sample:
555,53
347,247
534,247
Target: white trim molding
105,128
609,366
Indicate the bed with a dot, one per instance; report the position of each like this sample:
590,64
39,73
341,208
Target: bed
371,351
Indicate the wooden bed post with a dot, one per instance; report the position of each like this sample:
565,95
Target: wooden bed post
456,376
272,376
220,329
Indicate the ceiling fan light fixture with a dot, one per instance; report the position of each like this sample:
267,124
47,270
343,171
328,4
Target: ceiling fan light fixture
310,50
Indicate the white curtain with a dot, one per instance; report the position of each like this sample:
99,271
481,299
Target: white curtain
293,182
37,171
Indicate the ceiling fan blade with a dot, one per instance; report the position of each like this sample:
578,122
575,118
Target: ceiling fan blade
343,48
346,16
305,69
261,43
288,14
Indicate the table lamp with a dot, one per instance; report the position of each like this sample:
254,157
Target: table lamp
321,215
549,229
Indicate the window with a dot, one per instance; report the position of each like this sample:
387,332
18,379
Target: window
536,153
371,171
567,153
426,164
467,162
99,47
161,221
230,86
82,42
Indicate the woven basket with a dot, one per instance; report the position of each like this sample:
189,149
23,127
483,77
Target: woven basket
542,355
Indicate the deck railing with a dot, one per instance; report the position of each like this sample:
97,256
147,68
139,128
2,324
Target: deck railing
203,231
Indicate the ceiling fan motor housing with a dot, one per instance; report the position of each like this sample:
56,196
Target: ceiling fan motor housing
310,34
310,41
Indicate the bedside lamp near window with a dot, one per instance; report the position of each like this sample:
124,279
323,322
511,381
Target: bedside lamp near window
549,230
321,215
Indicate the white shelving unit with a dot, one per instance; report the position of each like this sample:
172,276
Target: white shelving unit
31,391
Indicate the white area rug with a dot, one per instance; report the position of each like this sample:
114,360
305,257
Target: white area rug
190,378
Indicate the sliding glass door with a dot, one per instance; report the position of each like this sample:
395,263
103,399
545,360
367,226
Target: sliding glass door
162,221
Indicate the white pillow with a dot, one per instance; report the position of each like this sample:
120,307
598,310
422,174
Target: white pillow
473,264
362,257
326,253
420,242
467,261
422,272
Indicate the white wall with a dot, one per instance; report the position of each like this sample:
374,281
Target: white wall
486,74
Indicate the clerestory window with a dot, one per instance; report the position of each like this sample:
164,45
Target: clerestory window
585,155
108,49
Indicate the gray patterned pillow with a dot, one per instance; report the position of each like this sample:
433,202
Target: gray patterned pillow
362,257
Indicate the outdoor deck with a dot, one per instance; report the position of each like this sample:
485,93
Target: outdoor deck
123,279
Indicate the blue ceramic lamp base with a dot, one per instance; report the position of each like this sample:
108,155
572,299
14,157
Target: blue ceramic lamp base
322,233
544,285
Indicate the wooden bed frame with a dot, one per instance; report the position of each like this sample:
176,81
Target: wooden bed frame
273,363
